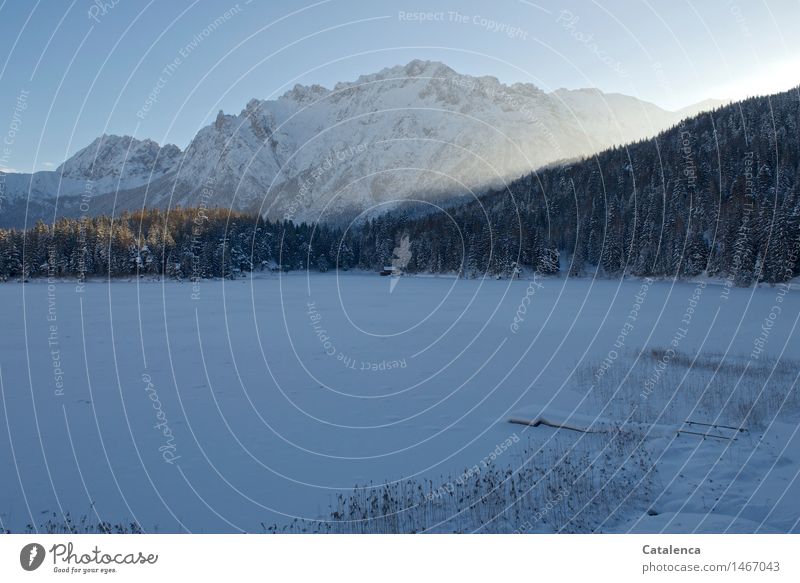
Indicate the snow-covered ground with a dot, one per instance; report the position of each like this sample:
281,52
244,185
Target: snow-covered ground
222,406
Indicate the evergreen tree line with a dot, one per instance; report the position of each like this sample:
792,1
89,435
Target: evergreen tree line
717,194
179,243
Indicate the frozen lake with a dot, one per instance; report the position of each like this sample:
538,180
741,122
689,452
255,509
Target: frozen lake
219,406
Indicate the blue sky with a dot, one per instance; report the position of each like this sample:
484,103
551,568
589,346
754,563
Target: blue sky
71,71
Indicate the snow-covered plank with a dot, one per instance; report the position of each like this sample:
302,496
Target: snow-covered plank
586,423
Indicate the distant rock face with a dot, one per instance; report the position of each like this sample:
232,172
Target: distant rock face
132,161
417,131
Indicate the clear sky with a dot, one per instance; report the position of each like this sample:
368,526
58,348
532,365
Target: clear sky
70,71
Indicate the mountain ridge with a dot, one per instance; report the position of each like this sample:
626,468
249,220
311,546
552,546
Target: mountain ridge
419,130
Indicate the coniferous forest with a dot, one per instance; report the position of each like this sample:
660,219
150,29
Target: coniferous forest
719,193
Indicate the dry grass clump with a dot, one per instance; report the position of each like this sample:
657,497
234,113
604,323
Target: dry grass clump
573,484
58,524
667,386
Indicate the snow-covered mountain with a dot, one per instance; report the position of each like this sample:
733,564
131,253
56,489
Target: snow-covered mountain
418,131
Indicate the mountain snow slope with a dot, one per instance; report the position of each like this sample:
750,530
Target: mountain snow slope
419,131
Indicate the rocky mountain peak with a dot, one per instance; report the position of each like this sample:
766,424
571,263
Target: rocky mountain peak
112,155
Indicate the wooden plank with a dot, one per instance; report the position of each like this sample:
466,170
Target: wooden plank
715,425
704,435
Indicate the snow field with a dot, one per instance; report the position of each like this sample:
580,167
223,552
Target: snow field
268,400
